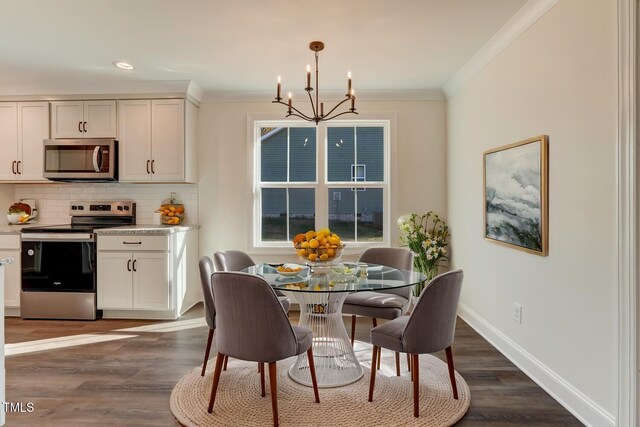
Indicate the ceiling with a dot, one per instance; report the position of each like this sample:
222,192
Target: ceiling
241,45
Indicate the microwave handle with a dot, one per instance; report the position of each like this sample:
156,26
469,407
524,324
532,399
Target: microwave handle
97,155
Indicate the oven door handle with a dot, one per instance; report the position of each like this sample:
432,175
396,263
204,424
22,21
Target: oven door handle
97,154
57,237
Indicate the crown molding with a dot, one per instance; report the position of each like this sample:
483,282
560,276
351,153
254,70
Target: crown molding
524,18
105,90
329,96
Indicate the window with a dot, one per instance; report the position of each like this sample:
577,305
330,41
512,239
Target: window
310,177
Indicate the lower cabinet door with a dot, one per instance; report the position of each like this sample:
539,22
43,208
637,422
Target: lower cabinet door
12,279
115,280
151,287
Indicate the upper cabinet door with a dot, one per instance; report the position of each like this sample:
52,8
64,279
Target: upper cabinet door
8,140
134,140
167,134
67,118
99,119
33,129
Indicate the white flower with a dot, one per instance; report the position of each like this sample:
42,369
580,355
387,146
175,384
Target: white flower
429,256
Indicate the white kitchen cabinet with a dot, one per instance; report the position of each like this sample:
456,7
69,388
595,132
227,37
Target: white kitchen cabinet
147,276
83,119
134,280
150,279
23,128
10,247
157,140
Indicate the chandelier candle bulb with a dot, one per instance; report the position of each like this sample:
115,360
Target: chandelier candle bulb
308,76
349,77
279,87
322,109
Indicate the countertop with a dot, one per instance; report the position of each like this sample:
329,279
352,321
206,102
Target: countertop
146,229
5,261
15,229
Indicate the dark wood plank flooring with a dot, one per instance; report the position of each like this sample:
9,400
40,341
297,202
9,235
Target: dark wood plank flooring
128,382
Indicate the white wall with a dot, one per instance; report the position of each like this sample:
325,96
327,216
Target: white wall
558,78
225,186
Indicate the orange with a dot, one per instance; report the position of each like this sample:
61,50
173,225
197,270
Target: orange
324,257
312,257
330,252
298,238
310,235
313,243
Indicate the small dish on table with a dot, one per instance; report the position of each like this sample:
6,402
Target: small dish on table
289,270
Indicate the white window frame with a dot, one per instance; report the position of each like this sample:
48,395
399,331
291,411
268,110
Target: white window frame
321,185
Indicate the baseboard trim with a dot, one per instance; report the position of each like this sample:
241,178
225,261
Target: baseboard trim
583,408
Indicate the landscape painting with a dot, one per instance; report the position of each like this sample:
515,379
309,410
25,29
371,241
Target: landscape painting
515,195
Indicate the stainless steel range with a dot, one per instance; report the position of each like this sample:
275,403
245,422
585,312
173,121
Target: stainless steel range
59,261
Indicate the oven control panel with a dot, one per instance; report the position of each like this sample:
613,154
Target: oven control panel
97,208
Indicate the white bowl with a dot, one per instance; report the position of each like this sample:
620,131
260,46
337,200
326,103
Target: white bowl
291,273
14,218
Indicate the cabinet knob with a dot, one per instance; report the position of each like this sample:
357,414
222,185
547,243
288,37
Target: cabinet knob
18,168
13,167
153,170
84,126
148,161
79,126
134,264
129,265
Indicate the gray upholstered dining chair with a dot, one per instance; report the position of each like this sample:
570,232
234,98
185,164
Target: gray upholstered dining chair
206,270
388,304
252,325
238,260
430,327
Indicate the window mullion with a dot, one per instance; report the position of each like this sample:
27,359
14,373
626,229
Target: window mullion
322,197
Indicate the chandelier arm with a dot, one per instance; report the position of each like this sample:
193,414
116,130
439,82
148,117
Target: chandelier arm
344,112
309,119
301,114
336,106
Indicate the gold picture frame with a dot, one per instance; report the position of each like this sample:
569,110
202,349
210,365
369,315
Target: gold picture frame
516,196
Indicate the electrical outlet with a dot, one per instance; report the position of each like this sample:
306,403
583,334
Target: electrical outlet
517,312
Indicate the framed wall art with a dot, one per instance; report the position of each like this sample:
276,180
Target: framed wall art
516,212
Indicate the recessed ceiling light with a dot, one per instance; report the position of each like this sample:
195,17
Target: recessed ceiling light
123,65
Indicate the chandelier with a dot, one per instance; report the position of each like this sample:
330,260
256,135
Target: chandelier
317,108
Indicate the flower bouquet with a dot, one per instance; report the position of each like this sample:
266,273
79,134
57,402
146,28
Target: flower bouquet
426,236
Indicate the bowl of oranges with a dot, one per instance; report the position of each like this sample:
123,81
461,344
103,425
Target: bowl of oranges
172,211
321,247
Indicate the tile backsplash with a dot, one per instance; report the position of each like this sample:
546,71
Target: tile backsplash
52,200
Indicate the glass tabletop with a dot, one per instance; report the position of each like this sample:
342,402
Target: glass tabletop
345,277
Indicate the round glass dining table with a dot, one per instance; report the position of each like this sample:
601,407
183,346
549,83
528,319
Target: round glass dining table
320,293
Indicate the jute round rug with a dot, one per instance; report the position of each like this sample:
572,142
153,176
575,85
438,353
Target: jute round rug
238,401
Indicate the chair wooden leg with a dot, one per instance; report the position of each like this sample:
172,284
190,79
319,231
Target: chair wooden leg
216,380
452,375
273,384
206,352
353,329
226,359
374,321
312,370
372,381
397,364
409,363
416,386
261,368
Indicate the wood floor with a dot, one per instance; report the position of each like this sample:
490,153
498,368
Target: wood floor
127,382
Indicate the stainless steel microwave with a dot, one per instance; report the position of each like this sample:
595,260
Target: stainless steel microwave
81,159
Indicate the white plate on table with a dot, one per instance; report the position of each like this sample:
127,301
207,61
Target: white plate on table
298,269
